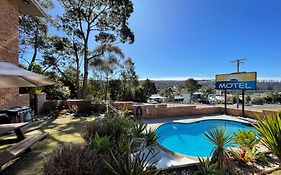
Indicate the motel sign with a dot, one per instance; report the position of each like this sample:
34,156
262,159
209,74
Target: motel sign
237,81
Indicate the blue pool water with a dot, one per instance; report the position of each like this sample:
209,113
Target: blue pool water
189,139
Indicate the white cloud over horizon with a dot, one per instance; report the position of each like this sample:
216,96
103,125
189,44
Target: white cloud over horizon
201,78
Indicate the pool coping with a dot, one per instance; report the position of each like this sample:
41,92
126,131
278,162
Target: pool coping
183,155
188,120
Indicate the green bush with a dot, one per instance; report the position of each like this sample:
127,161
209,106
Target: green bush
75,159
245,139
101,144
139,163
206,167
113,126
269,130
258,101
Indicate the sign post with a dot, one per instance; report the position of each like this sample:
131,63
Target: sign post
237,81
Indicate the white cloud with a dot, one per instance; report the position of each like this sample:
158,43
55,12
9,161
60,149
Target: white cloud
201,78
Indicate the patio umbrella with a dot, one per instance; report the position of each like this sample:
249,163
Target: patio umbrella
13,76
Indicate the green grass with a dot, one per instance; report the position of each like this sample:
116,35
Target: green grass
61,131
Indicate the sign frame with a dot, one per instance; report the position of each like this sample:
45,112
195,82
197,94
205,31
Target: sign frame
249,82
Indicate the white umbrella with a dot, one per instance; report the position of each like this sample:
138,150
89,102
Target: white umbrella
13,76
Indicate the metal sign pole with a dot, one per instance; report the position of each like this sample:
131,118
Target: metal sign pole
243,103
225,101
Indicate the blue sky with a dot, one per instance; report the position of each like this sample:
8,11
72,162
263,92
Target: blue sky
176,39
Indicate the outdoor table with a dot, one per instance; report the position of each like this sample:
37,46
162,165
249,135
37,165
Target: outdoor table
16,127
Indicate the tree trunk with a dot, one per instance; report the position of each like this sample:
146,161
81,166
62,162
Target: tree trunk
35,48
77,78
85,79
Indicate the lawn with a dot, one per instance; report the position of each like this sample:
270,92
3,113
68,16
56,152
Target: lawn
61,131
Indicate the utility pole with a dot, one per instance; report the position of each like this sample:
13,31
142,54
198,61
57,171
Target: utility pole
238,62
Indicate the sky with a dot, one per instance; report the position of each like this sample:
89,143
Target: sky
176,39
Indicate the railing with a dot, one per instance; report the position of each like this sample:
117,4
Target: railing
109,106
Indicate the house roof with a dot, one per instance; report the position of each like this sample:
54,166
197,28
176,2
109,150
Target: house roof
30,7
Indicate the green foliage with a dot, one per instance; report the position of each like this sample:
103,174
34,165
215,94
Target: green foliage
114,127
96,22
139,128
206,167
133,164
269,130
75,159
102,144
191,86
246,154
245,139
57,92
129,114
221,140
258,101
151,137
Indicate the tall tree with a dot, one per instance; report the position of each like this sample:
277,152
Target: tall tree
129,80
191,86
33,35
108,64
149,88
100,21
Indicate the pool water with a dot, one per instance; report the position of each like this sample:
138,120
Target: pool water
189,138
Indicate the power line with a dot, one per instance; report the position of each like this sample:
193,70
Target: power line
238,62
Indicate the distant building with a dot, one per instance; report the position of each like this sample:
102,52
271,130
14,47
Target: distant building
155,98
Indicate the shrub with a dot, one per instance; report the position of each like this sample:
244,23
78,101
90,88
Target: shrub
139,163
258,101
205,167
113,126
269,130
245,139
101,144
151,137
75,159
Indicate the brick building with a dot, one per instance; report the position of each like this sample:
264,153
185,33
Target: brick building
9,31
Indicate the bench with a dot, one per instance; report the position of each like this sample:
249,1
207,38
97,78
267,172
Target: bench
19,148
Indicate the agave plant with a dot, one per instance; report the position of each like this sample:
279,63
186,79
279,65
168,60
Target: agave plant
139,163
269,130
205,167
221,139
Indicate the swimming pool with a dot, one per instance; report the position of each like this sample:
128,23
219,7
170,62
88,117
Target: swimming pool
189,138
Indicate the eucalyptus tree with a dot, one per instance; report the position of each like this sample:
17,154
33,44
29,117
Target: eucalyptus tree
92,23
191,86
129,79
33,33
108,65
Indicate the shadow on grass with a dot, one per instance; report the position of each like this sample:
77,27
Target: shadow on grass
61,131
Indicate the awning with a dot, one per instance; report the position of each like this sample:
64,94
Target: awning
30,7
13,76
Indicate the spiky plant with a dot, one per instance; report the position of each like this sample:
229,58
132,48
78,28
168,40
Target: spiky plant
221,139
205,167
269,131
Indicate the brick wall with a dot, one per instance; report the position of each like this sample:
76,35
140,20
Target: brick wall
122,105
162,111
9,24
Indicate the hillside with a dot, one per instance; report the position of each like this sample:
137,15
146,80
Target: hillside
261,85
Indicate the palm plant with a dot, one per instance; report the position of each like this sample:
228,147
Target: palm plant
269,131
221,139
